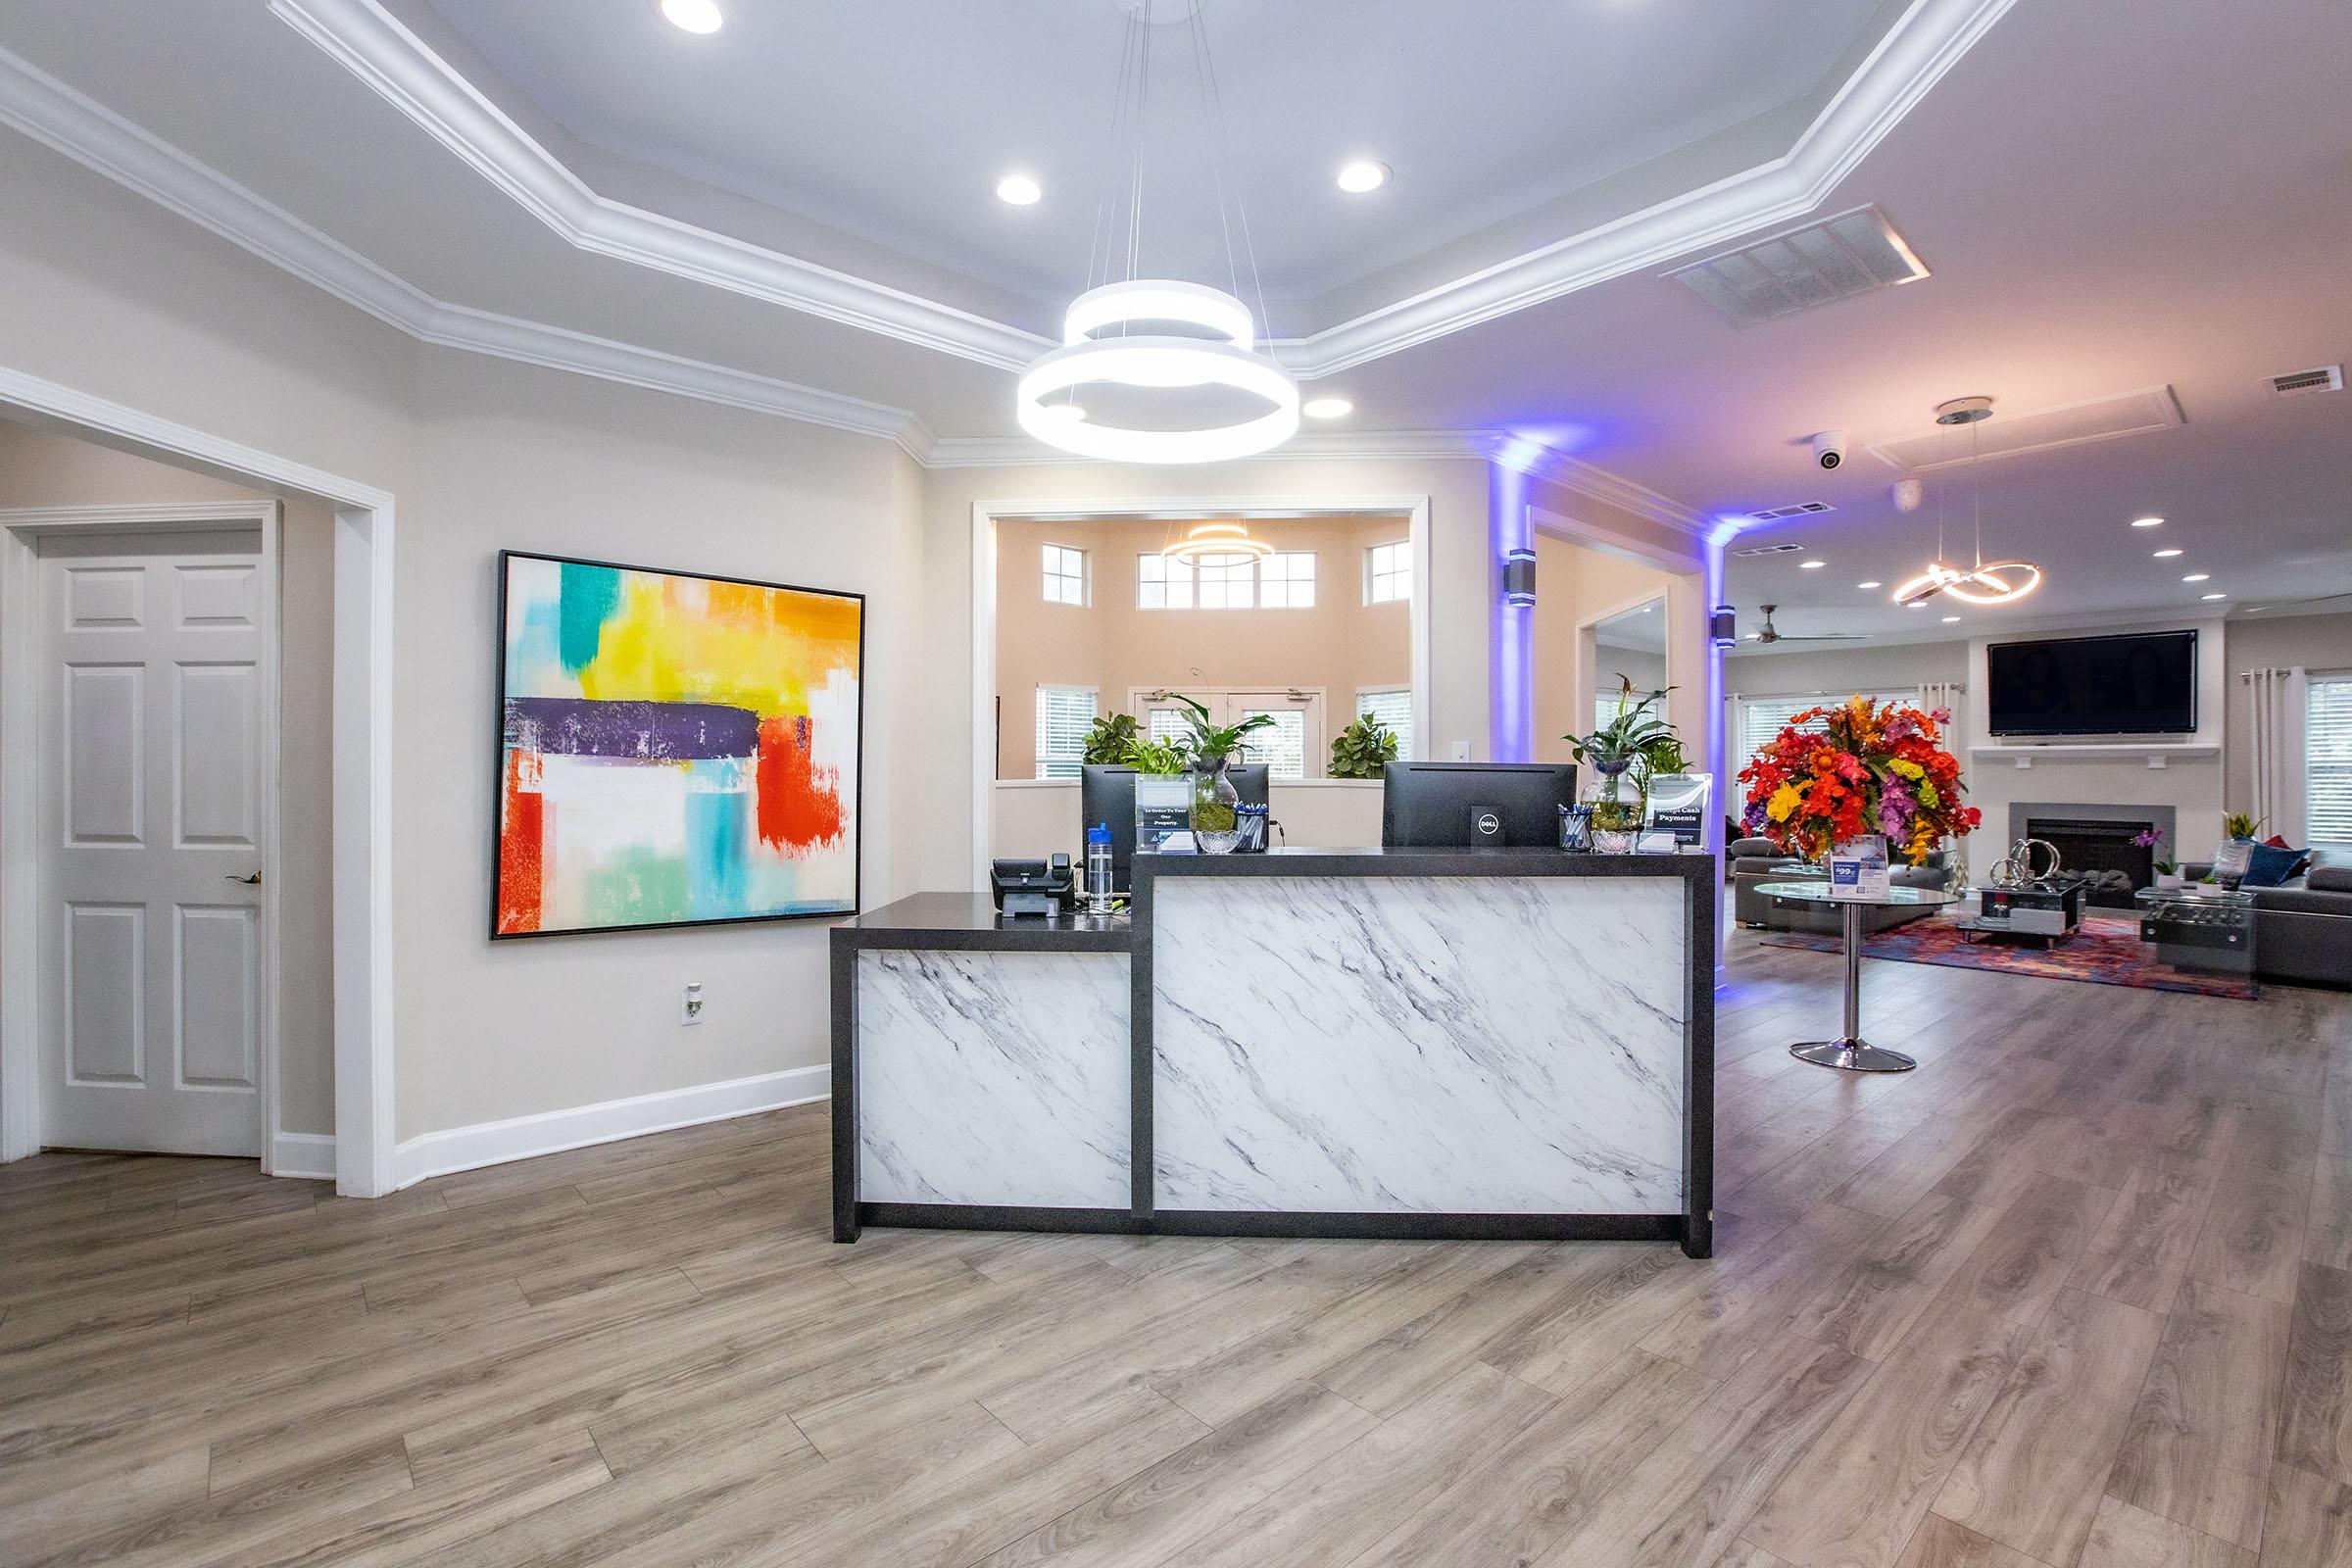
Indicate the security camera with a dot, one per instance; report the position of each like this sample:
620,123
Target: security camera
1829,448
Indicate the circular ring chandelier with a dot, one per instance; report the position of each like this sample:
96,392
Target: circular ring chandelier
1158,361
1209,541
1996,584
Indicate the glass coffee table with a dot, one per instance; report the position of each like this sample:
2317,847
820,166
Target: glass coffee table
1850,1051
2201,926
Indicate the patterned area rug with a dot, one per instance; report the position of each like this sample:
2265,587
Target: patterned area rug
2106,950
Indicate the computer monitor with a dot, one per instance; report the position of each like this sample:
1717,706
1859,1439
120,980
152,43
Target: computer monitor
1107,795
1437,805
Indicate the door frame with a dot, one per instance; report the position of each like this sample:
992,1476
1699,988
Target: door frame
361,1160
1412,510
24,636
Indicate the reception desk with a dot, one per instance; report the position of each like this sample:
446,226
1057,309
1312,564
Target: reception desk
1410,1042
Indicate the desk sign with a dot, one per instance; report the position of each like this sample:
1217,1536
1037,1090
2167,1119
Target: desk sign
1677,806
1858,870
1164,811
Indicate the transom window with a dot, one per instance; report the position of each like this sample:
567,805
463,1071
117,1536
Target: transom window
1225,582
1066,576
1161,583
1388,574
1287,580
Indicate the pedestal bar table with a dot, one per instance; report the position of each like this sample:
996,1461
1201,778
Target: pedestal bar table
1850,1051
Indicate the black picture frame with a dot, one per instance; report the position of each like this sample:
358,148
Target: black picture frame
498,752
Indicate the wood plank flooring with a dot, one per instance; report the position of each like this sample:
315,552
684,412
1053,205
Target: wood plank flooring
2078,1292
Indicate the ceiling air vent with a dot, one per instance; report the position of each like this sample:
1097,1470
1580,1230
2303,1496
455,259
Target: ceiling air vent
2007,435
1769,550
2296,383
1833,259
1803,509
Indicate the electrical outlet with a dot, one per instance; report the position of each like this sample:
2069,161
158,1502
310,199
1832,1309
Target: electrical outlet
690,1006
1461,751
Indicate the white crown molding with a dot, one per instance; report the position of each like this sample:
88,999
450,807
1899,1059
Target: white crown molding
1599,484
93,135
1923,44
372,45
89,133
1020,451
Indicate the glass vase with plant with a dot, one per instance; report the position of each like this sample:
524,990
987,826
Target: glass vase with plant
2236,851
1214,816
1622,754
1363,750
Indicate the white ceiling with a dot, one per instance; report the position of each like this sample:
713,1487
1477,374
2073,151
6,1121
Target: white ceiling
862,117
2107,199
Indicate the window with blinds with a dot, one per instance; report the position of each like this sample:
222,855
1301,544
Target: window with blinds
1281,746
1763,717
1604,709
1393,706
2328,760
1064,713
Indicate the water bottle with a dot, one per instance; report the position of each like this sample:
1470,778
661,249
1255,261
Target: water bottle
1098,868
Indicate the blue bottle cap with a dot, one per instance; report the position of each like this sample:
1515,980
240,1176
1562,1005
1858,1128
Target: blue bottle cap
1099,833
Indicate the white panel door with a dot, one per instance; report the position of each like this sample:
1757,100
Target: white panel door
151,818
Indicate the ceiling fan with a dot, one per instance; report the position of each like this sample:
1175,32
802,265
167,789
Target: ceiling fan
1769,635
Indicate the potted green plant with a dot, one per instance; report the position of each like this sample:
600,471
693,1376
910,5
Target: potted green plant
1622,754
2165,870
1363,750
1161,758
1111,738
1214,817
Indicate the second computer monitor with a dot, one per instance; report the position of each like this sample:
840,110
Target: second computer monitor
1443,806
1107,795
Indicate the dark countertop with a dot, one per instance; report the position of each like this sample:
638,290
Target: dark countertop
969,922
1365,862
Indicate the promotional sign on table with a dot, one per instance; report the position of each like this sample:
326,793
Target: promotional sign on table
1858,869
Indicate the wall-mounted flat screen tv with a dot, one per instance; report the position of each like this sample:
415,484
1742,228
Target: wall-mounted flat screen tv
2137,685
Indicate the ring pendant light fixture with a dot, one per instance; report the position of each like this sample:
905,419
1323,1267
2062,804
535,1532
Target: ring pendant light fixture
1118,331
2000,583
1216,544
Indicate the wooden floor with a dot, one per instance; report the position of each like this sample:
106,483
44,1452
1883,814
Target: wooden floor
2078,1291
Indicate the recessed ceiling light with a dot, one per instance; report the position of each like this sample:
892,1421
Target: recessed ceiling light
1362,175
694,16
1948,620
2147,523
2213,596
2166,554
1019,190
2196,576
1872,583
1811,566
1327,407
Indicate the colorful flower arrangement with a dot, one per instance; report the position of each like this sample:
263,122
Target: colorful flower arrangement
1855,769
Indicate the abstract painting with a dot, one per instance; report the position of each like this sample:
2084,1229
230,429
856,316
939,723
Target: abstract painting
673,748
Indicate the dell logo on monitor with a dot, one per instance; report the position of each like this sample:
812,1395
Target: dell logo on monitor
1488,823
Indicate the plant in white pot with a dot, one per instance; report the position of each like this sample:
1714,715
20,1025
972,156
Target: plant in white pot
2166,869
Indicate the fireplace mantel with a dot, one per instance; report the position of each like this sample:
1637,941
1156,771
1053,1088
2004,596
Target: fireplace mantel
2158,753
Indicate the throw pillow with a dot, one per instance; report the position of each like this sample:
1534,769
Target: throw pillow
2269,866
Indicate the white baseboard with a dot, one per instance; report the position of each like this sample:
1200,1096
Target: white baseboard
494,1143
306,1156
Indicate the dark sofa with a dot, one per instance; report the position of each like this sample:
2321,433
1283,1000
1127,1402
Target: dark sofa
1752,862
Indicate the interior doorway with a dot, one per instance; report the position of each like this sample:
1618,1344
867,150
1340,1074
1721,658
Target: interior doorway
153,730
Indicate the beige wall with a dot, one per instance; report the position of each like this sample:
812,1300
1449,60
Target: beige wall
44,468
1576,586
106,294
2314,642
1458,594
1340,645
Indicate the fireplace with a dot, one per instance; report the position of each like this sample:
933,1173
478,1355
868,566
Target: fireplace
2099,851
2095,837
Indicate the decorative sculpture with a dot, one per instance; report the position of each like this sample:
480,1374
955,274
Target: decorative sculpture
2016,868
